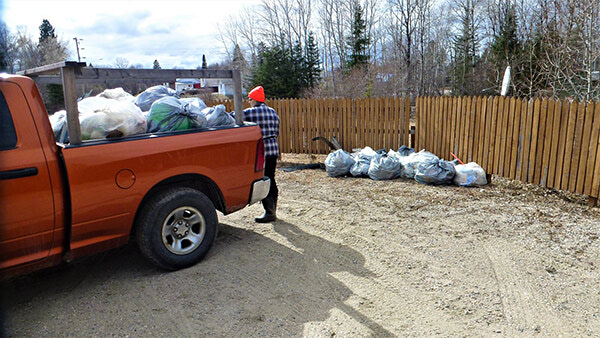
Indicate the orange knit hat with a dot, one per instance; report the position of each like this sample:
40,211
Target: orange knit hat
257,94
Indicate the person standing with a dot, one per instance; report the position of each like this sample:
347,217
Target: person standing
268,121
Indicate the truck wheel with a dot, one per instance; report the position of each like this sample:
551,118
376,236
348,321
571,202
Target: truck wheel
176,228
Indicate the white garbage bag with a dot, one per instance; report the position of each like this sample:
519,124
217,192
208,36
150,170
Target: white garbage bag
469,175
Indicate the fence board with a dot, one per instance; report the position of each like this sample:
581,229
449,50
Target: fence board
470,128
547,144
452,126
442,126
510,123
585,147
447,124
502,128
593,149
571,126
512,169
556,127
541,132
560,155
520,147
577,146
476,129
486,137
406,121
498,135
535,124
596,180
482,126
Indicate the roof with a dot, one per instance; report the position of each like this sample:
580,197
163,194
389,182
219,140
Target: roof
187,81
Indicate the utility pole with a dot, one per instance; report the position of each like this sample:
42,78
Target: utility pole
77,46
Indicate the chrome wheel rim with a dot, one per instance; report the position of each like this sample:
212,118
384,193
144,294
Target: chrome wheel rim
183,230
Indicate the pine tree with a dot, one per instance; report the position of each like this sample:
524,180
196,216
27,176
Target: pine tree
46,31
358,40
313,63
505,48
5,47
274,69
204,65
49,48
466,45
156,65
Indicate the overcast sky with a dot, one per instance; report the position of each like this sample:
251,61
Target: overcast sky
175,32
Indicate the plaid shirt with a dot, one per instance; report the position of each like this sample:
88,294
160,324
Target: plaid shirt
268,121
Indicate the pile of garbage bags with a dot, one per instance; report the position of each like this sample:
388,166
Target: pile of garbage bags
116,113
423,166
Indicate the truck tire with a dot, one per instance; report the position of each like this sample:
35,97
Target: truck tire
176,228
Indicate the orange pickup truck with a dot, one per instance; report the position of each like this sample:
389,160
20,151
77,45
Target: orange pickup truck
62,201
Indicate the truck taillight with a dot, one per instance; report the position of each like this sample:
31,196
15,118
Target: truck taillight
260,156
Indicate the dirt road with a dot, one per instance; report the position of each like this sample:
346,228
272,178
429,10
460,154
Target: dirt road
349,257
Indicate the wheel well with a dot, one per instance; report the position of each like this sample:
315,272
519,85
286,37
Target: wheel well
199,182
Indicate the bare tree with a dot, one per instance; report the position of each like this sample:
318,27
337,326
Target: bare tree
121,62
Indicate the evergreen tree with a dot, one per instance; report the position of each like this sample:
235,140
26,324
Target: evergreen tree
5,49
204,65
46,31
505,48
465,57
156,65
49,49
358,41
313,63
275,70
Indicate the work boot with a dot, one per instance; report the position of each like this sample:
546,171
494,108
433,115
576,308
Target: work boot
269,216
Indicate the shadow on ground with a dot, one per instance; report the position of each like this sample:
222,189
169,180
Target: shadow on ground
249,285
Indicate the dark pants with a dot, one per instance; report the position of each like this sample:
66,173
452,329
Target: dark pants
270,164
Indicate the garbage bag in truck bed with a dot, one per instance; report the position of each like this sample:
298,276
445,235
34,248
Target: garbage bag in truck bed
101,118
218,116
170,114
146,98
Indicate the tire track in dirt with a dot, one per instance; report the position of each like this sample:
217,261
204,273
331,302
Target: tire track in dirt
523,305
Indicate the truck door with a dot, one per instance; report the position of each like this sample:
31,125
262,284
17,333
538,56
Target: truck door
26,201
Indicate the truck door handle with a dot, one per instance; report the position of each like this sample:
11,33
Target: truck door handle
18,173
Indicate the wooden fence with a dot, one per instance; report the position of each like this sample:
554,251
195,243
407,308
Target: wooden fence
375,122
546,142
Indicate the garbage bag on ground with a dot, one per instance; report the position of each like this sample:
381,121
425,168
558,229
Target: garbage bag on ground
101,118
338,163
146,98
405,151
469,175
435,171
384,167
217,116
363,161
170,114
412,161
117,94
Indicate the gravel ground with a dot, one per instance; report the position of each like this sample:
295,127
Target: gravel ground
348,257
